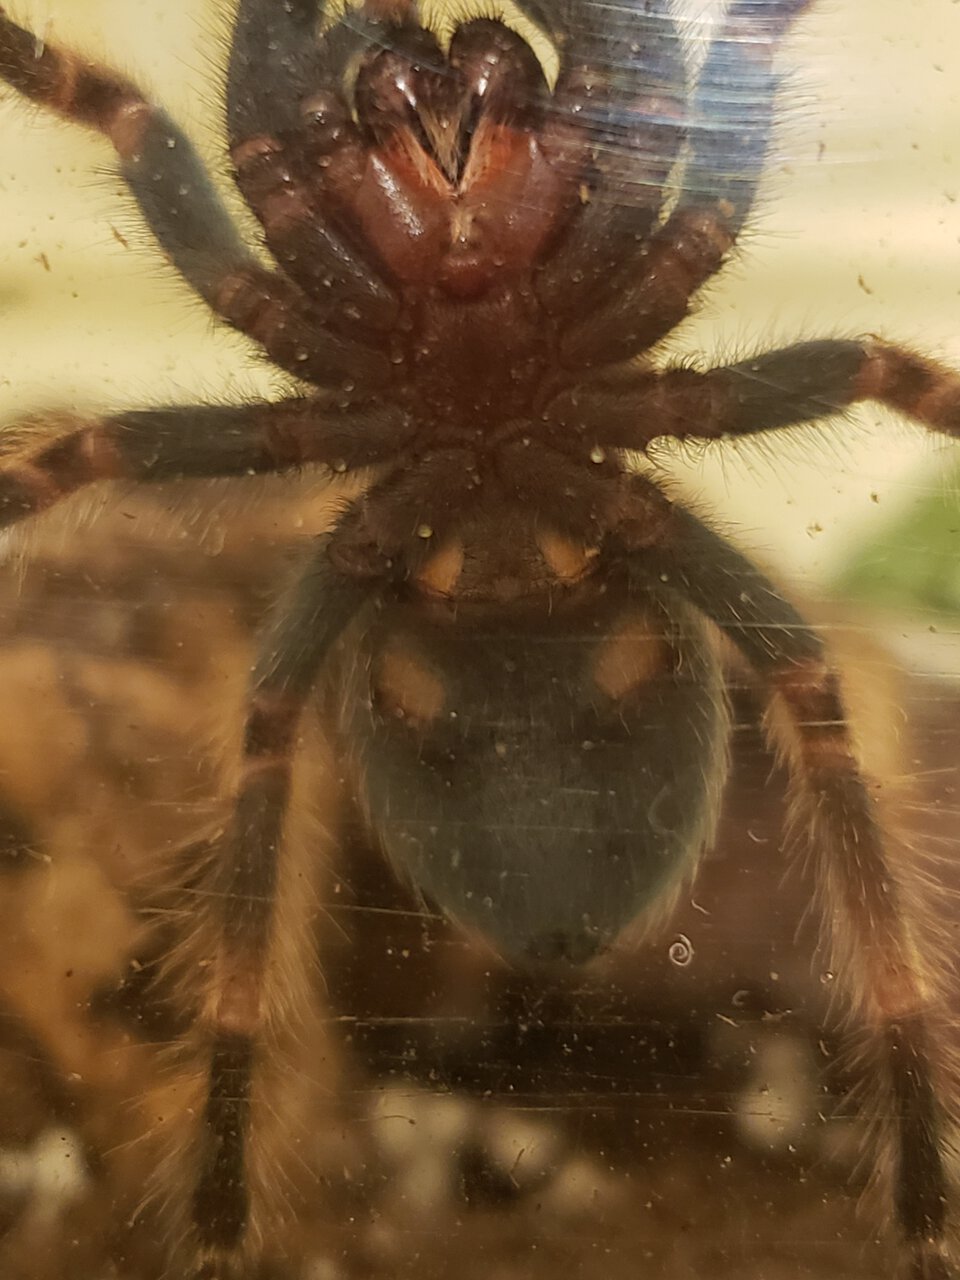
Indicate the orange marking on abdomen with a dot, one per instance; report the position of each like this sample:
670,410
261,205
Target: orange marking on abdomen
407,689
439,575
569,560
631,657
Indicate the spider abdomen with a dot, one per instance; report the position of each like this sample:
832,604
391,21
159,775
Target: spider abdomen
544,782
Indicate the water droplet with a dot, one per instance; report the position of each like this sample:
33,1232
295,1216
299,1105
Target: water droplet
827,977
424,531
338,465
597,454
681,951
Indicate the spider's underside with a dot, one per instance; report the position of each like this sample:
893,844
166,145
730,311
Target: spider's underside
517,638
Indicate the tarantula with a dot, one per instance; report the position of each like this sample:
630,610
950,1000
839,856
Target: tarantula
521,637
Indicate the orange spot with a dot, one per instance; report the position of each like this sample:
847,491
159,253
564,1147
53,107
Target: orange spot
407,689
569,560
441,573
631,657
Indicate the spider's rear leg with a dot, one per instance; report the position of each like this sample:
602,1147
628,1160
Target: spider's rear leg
856,862
185,212
255,970
731,119
61,455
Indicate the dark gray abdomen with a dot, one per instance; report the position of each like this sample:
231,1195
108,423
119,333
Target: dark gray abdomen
546,784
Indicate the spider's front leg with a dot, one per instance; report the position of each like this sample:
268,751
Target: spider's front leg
730,122
275,68
185,212
857,864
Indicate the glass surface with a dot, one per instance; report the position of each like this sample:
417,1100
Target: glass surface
679,1110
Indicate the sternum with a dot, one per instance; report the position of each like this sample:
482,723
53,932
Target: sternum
477,365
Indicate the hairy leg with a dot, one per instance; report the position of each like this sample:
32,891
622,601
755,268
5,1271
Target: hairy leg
58,456
273,64
278,147
618,119
731,119
767,392
856,863
246,984
186,214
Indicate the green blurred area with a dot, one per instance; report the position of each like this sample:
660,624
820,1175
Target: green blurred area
914,564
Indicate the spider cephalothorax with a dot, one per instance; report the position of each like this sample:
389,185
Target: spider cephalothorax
518,641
